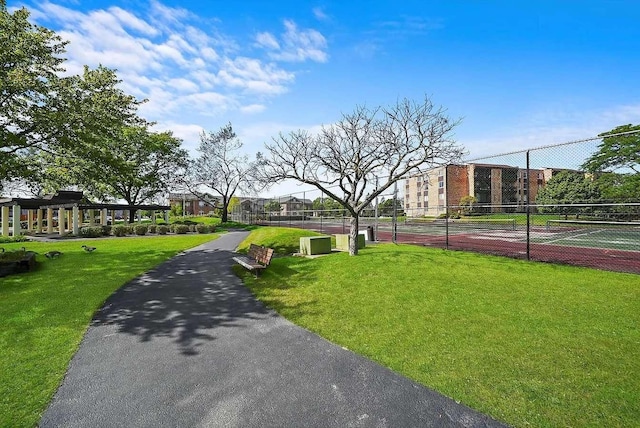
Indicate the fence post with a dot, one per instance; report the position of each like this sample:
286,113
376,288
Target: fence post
446,207
527,191
394,218
375,214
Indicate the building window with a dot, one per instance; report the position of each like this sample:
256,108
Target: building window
441,184
419,205
441,196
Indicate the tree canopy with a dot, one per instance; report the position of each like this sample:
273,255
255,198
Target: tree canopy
345,159
45,113
617,151
568,188
616,164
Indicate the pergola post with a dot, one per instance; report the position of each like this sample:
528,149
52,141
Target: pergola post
39,220
153,216
125,214
139,216
103,216
5,221
61,220
69,224
166,217
16,220
50,220
76,219
92,217
29,220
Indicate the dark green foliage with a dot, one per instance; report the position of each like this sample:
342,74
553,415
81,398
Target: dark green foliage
91,232
180,229
140,229
202,228
568,188
119,230
152,228
19,238
106,230
162,229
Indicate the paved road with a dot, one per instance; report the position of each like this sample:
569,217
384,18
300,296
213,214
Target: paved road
186,345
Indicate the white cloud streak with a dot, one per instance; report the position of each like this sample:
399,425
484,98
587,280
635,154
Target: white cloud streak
169,57
296,45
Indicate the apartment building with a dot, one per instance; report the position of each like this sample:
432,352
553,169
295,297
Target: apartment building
497,188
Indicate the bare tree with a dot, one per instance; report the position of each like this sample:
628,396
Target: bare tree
384,142
220,167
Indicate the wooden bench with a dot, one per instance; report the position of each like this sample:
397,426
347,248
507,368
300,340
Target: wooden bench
257,258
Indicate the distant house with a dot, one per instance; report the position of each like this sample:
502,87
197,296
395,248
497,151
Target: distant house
195,205
293,206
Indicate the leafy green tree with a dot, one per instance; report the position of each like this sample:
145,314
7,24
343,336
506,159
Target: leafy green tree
568,188
45,113
616,164
234,201
176,210
617,151
29,64
466,203
135,166
385,207
272,206
221,167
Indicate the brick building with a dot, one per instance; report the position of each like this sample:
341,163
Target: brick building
497,188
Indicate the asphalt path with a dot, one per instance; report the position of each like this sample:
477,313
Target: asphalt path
187,345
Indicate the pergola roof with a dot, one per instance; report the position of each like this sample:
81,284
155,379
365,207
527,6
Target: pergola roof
36,203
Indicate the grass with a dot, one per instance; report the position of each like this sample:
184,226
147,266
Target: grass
44,313
284,240
530,344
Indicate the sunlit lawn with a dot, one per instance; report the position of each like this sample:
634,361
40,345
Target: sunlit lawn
45,313
530,344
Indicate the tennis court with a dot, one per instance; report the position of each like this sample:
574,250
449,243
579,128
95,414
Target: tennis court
604,245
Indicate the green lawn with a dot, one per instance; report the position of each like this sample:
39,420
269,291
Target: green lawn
45,313
530,344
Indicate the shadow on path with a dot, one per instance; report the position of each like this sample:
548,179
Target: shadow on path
186,345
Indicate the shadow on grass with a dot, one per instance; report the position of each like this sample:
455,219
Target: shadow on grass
185,299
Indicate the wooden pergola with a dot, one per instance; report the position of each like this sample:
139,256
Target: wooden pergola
70,212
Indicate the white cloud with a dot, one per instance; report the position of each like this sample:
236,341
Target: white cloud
253,108
179,63
267,40
320,15
296,45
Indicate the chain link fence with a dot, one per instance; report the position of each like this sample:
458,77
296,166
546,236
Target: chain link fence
538,204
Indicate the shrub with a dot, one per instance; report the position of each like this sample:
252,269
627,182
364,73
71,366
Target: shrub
119,230
162,229
8,239
106,230
152,228
202,228
91,231
140,229
130,229
180,229
192,227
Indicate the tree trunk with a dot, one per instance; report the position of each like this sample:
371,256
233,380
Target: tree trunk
353,236
132,216
225,207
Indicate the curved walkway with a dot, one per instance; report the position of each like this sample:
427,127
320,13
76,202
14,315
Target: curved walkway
187,345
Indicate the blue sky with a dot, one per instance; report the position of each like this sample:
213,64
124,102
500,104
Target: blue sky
519,74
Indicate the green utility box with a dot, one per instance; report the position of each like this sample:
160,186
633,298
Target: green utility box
311,245
342,242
